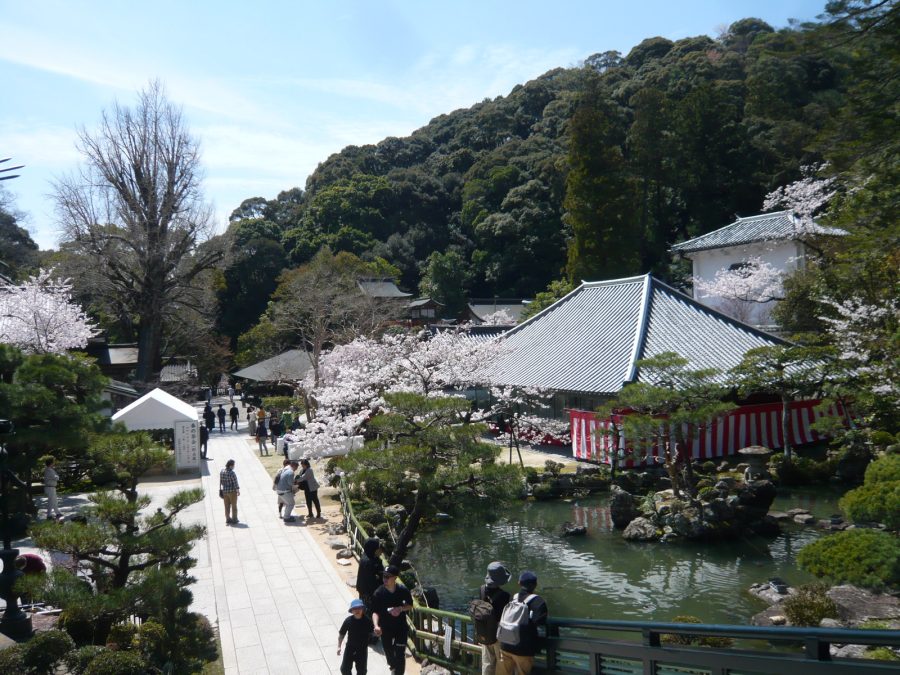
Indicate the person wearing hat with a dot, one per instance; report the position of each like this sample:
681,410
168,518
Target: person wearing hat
491,591
357,627
518,659
390,603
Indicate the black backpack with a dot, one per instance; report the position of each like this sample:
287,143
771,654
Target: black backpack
483,620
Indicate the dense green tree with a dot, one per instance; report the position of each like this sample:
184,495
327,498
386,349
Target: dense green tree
139,561
54,401
18,252
444,279
669,395
443,461
601,202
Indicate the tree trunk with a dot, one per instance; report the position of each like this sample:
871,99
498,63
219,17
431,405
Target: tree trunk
409,530
149,340
785,422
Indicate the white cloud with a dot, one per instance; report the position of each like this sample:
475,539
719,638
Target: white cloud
50,146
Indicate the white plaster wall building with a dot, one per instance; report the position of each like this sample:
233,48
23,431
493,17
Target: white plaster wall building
776,239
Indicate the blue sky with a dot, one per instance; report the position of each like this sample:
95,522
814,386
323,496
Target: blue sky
272,88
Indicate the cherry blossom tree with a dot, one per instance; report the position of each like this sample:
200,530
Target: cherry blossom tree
744,287
38,316
806,197
515,411
501,317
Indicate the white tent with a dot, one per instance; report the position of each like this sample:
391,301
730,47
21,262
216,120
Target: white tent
156,410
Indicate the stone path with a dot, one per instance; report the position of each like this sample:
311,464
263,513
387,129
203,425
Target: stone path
277,599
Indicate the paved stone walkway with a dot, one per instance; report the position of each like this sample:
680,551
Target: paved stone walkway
277,599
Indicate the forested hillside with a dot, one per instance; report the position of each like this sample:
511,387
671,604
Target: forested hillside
670,141
590,172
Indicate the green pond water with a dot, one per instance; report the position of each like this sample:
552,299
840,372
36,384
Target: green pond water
602,576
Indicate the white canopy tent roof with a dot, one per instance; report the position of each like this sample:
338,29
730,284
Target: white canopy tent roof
155,410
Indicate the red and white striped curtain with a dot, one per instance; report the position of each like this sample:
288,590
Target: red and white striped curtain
747,425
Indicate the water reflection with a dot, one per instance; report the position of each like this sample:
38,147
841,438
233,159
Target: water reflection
601,575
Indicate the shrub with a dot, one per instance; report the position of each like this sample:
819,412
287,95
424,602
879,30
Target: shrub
11,660
151,640
78,661
367,527
117,663
867,558
708,493
543,491
372,515
882,438
885,469
553,468
383,531
881,654
708,467
874,502
279,403
122,635
809,606
531,475
702,640
802,470
42,652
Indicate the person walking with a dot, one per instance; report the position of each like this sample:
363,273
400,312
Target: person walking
310,486
357,627
239,391
286,490
204,440
492,593
51,480
251,421
261,438
390,603
370,571
209,417
234,412
278,501
229,491
221,415
231,393
520,641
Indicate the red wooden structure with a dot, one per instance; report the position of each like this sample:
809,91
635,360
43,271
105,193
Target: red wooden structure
743,426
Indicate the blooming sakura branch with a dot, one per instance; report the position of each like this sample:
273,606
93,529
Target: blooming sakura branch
39,316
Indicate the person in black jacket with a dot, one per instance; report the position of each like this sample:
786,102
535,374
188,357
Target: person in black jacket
358,628
204,440
369,574
518,659
491,591
390,603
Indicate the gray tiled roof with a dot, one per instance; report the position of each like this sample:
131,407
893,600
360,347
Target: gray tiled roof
589,340
764,227
289,365
484,308
381,288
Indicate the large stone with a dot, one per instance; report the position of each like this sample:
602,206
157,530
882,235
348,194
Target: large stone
622,507
582,469
336,543
335,529
805,519
640,529
344,553
395,512
779,515
856,605
797,512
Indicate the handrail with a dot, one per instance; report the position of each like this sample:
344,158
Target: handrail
431,630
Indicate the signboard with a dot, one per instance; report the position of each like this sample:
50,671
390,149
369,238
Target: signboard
187,445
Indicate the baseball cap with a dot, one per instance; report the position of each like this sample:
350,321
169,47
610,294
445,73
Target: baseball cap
356,604
391,571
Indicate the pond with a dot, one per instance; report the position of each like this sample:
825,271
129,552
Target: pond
602,576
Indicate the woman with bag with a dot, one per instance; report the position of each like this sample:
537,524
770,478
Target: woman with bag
310,486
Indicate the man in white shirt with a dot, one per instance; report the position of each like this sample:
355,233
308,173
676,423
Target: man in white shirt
285,489
51,480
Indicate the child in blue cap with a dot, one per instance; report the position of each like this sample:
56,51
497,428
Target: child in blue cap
358,629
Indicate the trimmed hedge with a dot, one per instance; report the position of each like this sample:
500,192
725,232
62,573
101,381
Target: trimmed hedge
867,558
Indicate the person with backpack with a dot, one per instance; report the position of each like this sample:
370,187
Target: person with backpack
518,628
486,612
370,571
221,414
390,603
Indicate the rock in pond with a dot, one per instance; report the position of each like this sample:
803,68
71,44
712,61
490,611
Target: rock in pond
622,507
574,530
640,529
